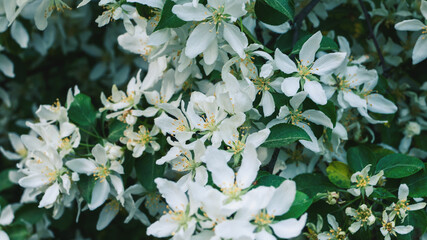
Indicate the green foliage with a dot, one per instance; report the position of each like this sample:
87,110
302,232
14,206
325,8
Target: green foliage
329,110
382,193
313,183
18,231
399,165
268,14
81,111
327,44
269,180
116,130
284,134
167,18
360,156
339,174
147,170
29,213
301,203
4,180
284,6
86,185
417,184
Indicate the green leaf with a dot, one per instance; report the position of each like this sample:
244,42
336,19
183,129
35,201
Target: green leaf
85,185
382,193
339,174
5,183
417,184
81,111
284,134
167,18
301,203
30,213
18,231
147,170
313,183
360,156
145,11
267,14
399,165
116,130
327,44
284,6
269,180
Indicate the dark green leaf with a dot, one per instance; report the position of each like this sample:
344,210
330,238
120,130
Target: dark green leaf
301,203
284,134
382,193
339,174
147,170
268,14
30,213
116,130
269,180
81,111
85,185
284,6
417,184
145,11
4,180
313,183
360,156
399,165
18,231
167,18
327,44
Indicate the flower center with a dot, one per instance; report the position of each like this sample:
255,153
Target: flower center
233,192
65,144
262,84
362,181
218,14
389,226
101,172
263,219
56,106
295,117
303,70
144,136
337,234
424,30
402,204
58,5
363,214
236,147
180,125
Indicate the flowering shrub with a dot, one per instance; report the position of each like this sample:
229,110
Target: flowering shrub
242,119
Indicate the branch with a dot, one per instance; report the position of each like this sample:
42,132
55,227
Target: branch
300,17
372,35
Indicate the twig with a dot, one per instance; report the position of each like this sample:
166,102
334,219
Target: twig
300,17
372,35
273,160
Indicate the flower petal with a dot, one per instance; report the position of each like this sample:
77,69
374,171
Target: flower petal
200,39
419,53
50,195
289,228
188,12
309,49
290,86
235,38
327,63
378,104
216,162
283,62
81,165
99,194
108,213
282,199
315,92
249,168
409,25
318,117
172,193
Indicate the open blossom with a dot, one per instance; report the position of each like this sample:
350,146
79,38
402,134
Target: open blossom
364,182
257,219
104,171
179,221
307,67
45,172
335,233
216,22
389,227
419,53
401,207
139,141
361,217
